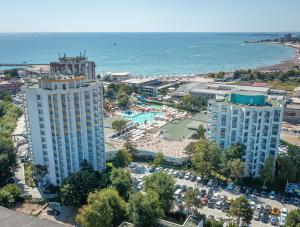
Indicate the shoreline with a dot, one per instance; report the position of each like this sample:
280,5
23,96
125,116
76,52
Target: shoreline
202,77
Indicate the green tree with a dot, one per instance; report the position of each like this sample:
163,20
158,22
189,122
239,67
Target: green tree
205,157
105,208
267,173
236,168
214,223
109,93
122,181
131,148
76,187
9,195
201,131
122,159
158,160
144,210
119,124
241,211
122,100
86,166
293,218
190,200
163,185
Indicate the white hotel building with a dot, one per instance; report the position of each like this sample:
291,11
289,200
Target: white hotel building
250,119
64,116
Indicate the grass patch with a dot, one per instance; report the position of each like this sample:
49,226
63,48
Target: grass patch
289,85
29,169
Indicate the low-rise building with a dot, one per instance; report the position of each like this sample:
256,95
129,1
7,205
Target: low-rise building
251,119
116,76
10,87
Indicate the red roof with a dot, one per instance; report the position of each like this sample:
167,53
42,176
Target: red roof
259,84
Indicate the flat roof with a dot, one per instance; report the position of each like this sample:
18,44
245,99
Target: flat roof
293,106
17,219
139,80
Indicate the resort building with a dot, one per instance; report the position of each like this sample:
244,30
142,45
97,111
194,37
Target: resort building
64,116
10,87
148,86
251,119
116,76
79,65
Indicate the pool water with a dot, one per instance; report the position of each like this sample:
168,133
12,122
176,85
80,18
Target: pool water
141,118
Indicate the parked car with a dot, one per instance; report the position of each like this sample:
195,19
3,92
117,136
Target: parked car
181,175
219,205
264,194
256,192
259,208
243,189
215,197
193,178
282,220
198,179
216,183
230,186
265,218
175,173
284,212
211,204
272,195
204,201
223,184
53,212
275,211
288,200
268,209
183,187
249,190
204,181
256,216
274,220
187,176
225,207
202,193
210,183
296,201
229,200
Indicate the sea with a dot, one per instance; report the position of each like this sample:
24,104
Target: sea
148,54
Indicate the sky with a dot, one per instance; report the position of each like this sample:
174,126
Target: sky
149,15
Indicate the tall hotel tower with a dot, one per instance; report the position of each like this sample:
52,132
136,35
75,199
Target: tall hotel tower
64,116
250,119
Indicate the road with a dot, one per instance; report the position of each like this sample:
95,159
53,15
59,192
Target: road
218,213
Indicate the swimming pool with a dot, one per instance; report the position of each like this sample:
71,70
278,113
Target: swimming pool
141,118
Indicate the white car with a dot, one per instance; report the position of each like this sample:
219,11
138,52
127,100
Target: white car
187,176
282,221
284,212
272,195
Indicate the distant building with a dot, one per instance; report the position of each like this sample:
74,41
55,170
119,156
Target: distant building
117,76
148,86
79,65
64,116
10,87
250,119
292,113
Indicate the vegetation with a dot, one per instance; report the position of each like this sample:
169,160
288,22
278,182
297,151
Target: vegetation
190,200
205,157
201,132
163,185
29,170
158,160
119,124
122,100
192,103
267,174
241,211
145,210
9,195
9,115
293,218
122,181
123,158
105,208
75,188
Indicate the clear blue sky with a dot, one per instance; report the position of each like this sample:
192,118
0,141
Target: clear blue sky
149,15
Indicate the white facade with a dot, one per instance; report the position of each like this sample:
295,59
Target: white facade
65,124
257,127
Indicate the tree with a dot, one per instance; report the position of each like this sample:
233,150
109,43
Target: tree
267,173
213,223
144,210
105,208
8,160
163,185
122,100
205,157
119,124
241,210
86,166
109,93
122,181
158,160
122,159
236,168
9,195
293,218
131,148
190,199
76,187
201,131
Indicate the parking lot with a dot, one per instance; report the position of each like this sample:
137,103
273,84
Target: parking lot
216,197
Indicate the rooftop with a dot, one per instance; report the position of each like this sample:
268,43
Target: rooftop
16,219
139,80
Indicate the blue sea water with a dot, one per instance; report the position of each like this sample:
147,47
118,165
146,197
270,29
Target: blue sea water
149,54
